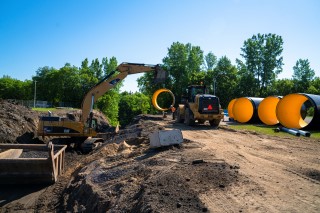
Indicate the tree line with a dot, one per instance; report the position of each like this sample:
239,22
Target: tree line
254,75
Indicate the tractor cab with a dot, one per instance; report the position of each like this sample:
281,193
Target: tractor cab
194,90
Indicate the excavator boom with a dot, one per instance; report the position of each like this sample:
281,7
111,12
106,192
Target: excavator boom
108,83
85,128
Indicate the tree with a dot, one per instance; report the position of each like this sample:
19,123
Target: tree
225,75
302,75
109,102
210,61
246,81
182,62
48,84
263,60
15,89
283,87
96,69
131,105
87,77
316,85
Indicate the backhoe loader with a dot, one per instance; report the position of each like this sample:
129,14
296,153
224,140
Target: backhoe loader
83,132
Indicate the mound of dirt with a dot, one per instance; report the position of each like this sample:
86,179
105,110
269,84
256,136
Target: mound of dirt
131,177
17,123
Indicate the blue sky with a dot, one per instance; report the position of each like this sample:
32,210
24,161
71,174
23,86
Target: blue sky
37,33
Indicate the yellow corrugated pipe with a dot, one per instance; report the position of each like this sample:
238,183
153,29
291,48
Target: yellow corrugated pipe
155,96
267,110
230,108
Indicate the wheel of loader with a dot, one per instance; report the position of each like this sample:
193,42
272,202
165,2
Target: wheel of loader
189,117
215,122
178,117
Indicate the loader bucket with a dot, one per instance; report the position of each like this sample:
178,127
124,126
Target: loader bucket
15,169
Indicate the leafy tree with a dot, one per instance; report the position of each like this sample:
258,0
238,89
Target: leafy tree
96,69
263,60
182,62
109,102
47,84
87,77
315,84
131,105
57,86
302,75
15,89
210,61
283,87
225,75
69,85
246,81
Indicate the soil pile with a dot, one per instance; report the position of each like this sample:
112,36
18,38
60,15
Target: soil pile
17,123
130,177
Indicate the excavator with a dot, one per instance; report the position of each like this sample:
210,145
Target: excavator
83,133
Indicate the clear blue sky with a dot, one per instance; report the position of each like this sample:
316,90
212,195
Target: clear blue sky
37,33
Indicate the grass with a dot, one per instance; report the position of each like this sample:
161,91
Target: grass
44,109
268,130
51,109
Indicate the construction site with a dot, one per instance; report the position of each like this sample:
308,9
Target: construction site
213,169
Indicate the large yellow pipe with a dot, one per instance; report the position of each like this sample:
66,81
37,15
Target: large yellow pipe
245,109
267,110
155,96
230,108
289,111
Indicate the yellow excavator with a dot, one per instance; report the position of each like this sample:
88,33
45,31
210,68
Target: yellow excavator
83,132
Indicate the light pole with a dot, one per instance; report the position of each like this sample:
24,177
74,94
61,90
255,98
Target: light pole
35,94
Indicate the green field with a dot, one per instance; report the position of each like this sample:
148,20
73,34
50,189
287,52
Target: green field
269,130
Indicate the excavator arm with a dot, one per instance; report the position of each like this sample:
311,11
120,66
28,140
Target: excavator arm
109,82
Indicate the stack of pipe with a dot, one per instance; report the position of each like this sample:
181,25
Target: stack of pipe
289,111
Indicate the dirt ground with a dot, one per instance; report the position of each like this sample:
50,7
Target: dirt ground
213,170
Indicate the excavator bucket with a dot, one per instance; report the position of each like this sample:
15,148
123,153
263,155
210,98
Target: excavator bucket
15,169
160,75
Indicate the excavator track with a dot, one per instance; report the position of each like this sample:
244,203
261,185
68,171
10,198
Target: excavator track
90,144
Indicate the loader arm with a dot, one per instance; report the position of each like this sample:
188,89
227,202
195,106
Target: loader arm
109,82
